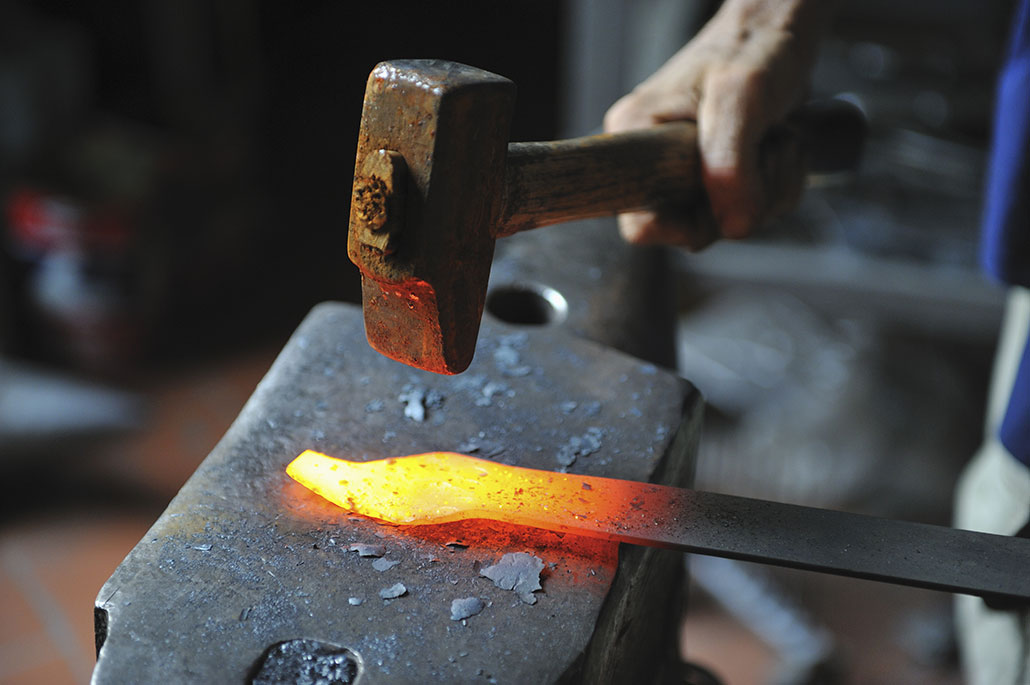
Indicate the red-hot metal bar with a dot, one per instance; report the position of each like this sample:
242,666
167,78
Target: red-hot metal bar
442,487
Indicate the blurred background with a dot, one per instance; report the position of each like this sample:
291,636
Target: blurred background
174,183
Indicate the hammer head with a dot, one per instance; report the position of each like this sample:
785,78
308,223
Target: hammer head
428,186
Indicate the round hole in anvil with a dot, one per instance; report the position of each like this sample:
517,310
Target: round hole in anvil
527,305
307,661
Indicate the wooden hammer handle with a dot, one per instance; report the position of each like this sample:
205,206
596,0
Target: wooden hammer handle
562,180
551,182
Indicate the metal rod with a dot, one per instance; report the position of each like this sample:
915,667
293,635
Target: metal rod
846,544
440,487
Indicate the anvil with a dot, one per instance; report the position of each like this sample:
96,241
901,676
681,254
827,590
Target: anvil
245,570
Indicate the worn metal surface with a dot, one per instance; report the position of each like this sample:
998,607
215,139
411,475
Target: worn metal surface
423,296
244,558
377,201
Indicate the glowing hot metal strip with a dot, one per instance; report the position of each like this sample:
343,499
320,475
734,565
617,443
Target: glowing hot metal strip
442,487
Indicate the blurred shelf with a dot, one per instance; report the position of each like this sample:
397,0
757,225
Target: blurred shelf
956,302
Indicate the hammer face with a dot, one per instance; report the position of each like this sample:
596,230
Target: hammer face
423,299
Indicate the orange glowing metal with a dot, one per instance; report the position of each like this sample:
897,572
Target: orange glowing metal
441,487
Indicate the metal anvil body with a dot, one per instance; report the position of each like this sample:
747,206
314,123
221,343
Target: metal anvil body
244,559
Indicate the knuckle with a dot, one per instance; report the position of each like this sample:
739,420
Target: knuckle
626,113
740,75
741,223
634,228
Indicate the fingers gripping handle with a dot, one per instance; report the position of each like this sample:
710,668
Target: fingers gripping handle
551,182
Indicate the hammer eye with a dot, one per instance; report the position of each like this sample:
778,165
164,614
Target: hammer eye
370,202
377,200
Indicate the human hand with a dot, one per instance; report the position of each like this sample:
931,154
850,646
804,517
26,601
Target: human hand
742,74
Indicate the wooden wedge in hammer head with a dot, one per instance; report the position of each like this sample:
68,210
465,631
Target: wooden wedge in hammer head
427,186
436,183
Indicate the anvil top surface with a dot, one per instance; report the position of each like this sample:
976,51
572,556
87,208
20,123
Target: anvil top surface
244,558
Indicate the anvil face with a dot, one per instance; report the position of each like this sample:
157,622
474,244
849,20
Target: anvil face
244,559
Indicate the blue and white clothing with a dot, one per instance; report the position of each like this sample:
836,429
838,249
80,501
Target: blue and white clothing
1006,223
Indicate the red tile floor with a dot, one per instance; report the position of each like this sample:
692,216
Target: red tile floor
57,549
55,555
880,632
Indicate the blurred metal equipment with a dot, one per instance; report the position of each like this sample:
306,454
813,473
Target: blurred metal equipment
805,649
46,73
41,411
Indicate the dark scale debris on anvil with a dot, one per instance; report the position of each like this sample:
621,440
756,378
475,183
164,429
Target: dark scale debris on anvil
394,591
580,446
384,564
466,607
517,571
364,550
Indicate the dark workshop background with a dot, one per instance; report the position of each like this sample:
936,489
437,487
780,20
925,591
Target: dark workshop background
175,178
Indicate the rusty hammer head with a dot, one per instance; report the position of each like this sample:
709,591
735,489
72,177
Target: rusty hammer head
428,184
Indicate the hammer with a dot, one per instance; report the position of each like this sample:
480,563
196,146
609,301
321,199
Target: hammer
436,183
